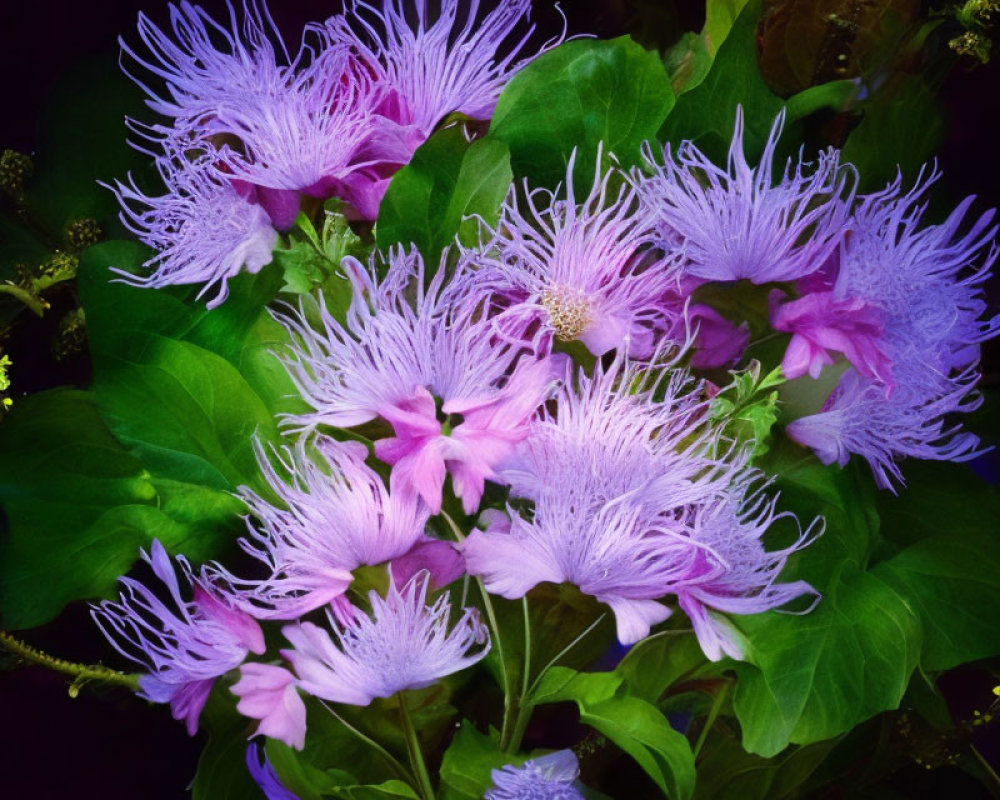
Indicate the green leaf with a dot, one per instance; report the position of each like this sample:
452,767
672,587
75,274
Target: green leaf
939,538
644,733
816,676
466,771
655,663
184,387
581,93
562,684
222,770
636,726
707,114
430,201
811,677
837,95
382,791
952,580
727,772
78,507
720,16
902,126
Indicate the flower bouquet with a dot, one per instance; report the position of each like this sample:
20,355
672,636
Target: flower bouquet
482,413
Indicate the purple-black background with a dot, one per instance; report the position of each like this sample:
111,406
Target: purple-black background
106,744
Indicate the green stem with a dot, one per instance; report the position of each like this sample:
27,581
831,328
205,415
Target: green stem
508,697
403,772
994,779
413,749
524,705
563,652
81,672
713,714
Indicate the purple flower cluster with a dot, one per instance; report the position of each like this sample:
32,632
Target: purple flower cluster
247,130
895,308
441,379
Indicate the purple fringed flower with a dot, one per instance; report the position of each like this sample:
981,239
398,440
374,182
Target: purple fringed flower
634,498
548,777
204,63
737,223
203,230
402,346
432,68
185,647
575,270
733,572
922,290
404,644
337,516
268,693
264,775
612,473
457,62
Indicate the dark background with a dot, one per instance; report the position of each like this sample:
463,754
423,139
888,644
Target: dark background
106,744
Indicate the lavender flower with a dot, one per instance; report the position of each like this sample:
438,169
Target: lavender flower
737,223
185,647
403,346
613,472
923,288
427,68
582,271
405,644
433,68
548,777
337,516
636,497
199,74
204,231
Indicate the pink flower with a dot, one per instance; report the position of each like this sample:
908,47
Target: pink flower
821,322
268,693
427,361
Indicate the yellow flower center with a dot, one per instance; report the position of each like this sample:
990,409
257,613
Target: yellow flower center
568,310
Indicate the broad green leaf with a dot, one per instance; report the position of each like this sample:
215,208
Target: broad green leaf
581,93
811,677
183,386
952,580
643,732
636,726
466,771
655,663
816,676
562,684
436,196
184,411
78,507
902,125
687,62
720,16
707,114
939,536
